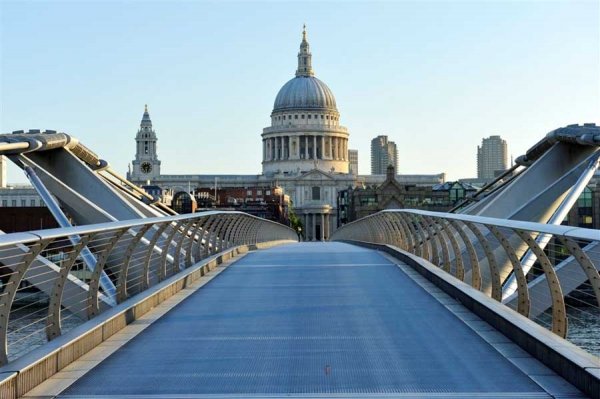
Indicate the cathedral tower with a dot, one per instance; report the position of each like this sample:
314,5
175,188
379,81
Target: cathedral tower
146,166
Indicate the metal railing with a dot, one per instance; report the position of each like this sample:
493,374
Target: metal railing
561,289
48,286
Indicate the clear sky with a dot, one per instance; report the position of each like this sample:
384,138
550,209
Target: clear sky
436,77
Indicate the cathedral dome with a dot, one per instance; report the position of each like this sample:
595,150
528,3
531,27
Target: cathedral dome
305,92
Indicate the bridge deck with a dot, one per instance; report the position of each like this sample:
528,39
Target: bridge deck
310,318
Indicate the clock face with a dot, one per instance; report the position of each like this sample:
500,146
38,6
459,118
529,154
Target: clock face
146,167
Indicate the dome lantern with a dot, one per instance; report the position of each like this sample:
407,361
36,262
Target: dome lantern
304,57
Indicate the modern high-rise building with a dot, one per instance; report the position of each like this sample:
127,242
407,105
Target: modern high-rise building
492,157
353,159
383,154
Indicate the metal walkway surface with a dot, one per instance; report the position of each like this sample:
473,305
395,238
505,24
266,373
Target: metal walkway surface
320,319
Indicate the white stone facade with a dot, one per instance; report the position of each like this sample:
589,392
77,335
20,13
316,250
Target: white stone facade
20,196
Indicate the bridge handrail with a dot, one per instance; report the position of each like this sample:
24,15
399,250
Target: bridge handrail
131,255
562,230
483,251
34,235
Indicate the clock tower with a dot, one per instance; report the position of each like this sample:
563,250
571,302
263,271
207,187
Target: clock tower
146,166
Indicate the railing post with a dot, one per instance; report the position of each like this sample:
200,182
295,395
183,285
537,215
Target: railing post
473,260
10,290
559,312
53,321
410,232
94,285
496,292
205,238
425,245
151,248
122,279
177,256
436,236
460,267
162,269
522,290
188,252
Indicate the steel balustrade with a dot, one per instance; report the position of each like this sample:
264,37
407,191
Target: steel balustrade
486,243
135,255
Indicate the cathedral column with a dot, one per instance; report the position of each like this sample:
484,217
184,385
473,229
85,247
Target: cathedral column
305,147
322,227
314,147
322,147
269,150
289,147
330,152
336,152
280,148
314,227
266,149
305,227
333,148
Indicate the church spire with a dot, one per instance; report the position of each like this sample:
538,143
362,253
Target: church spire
146,122
304,57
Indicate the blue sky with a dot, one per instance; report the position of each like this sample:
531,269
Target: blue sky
435,77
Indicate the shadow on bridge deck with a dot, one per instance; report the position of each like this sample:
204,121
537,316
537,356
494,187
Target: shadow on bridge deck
309,318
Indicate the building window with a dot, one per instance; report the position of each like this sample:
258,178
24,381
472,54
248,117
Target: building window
4,203
258,192
249,193
584,209
309,116
42,203
32,202
14,203
23,203
316,193
368,200
585,199
295,116
321,116
302,116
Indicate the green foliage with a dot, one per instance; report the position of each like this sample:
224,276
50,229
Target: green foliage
295,222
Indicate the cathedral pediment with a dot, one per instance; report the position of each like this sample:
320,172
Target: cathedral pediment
317,174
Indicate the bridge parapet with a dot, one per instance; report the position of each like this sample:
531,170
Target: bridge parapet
48,286
472,249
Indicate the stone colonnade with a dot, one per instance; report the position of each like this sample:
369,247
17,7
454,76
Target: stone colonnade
318,226
305,147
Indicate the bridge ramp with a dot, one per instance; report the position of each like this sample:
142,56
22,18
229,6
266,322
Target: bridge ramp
308,319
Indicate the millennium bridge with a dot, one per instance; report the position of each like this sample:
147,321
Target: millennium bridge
127,299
